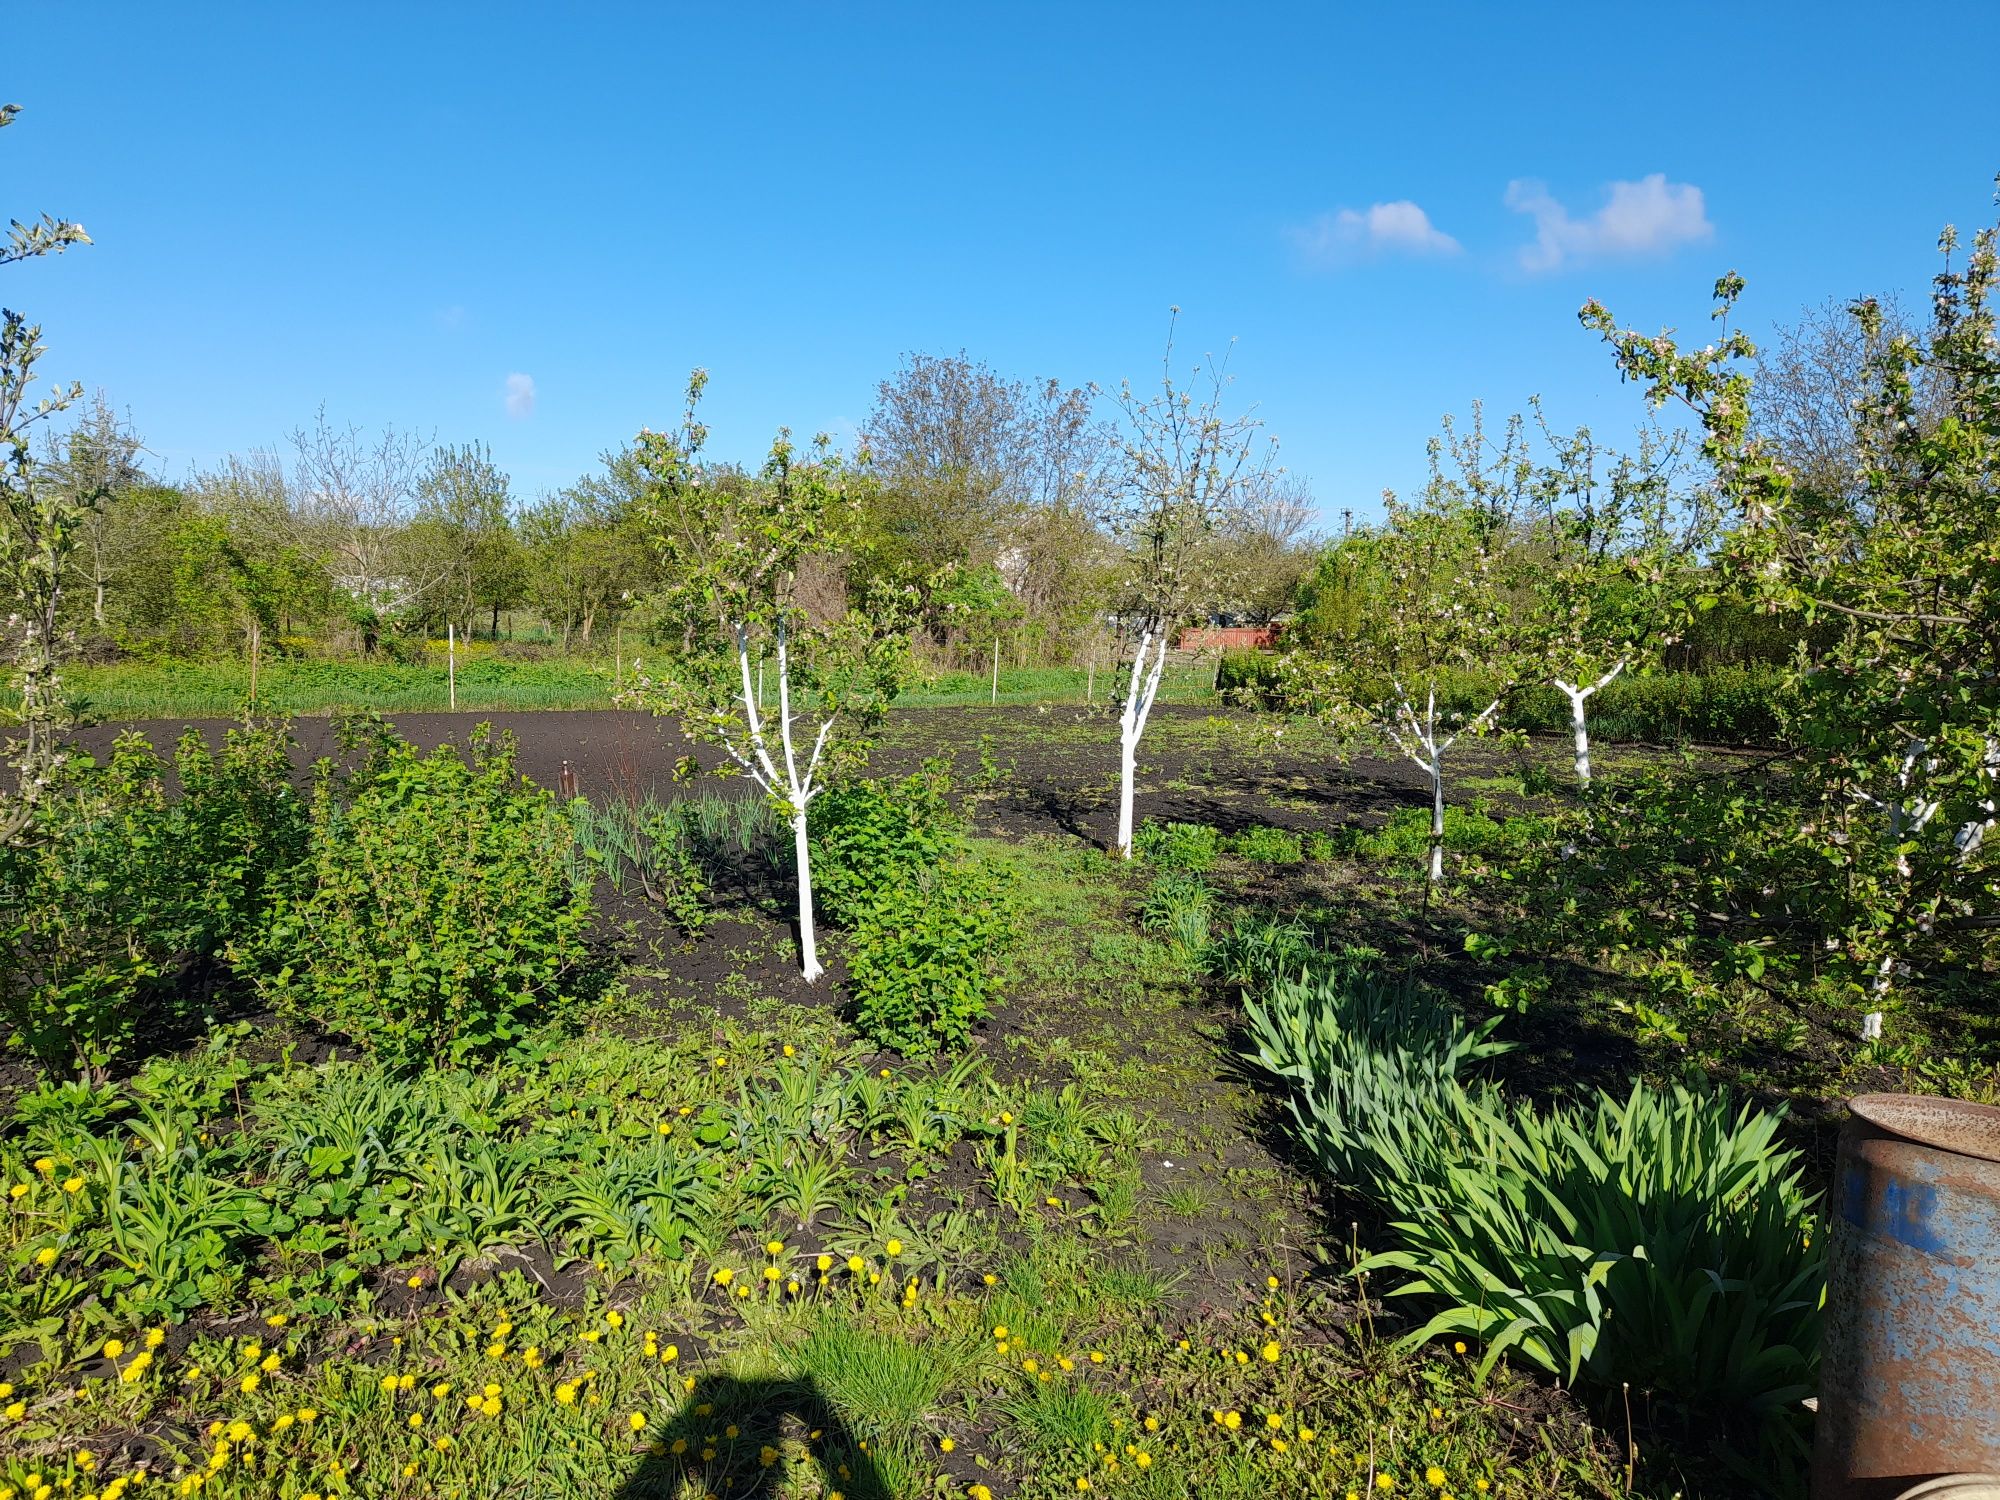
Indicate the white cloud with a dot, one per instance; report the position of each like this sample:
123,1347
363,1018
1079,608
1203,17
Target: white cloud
1399,228
520,397
1638,218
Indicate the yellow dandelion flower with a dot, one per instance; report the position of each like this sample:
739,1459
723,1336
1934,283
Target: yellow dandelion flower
894,1247
1270,1352
637,1421
724,1276
774,1247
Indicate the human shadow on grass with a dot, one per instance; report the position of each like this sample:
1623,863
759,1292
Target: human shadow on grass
773,1421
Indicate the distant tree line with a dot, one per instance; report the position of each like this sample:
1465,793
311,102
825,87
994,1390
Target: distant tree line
999,498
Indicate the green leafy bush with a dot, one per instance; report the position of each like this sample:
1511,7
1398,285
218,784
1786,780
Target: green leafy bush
923,958
1265,845
1192,847
926,926
121,892
870,836
436,911
1663,1240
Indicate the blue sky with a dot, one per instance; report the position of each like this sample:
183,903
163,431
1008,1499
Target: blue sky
415,212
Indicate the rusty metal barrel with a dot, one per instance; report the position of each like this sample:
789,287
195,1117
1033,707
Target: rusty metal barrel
1910,1365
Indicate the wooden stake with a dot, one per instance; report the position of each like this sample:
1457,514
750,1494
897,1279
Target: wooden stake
256,642
996,669
451,662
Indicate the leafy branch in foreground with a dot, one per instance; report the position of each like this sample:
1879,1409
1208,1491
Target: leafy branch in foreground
40,528
1898,719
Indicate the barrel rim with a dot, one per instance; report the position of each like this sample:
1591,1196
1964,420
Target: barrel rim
1916,1118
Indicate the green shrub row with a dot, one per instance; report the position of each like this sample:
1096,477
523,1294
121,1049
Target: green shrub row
1663,1240
1724,706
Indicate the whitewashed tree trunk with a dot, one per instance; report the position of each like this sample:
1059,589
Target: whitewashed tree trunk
1437,821
809,964
1427,752
1972,833
780,777
1138,707
1579,726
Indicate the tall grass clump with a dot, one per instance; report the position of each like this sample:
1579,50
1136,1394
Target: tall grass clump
1663,1240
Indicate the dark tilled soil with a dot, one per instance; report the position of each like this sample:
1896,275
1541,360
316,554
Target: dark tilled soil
1053,771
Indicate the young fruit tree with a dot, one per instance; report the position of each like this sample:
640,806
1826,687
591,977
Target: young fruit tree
1615,557
1896,715
42,524
1445,607
752,568
1188,465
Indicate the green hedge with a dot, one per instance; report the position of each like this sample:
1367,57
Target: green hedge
1726,706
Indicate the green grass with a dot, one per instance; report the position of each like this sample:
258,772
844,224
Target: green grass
135,690
883,1385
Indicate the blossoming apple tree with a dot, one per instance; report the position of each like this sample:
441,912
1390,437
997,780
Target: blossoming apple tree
1188,463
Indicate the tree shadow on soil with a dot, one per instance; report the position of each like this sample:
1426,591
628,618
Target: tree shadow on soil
773,1421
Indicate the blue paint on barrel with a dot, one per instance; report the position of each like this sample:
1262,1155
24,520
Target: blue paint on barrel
1910,1370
